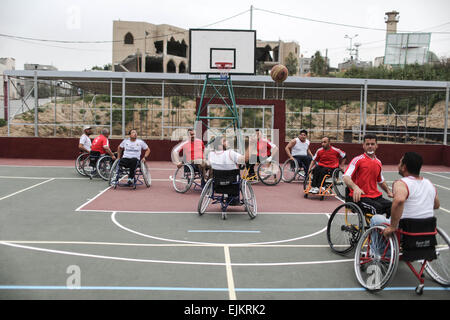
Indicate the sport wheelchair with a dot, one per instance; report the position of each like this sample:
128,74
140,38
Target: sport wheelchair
345,226
119,172
226,187
269,173
80,161
291,171
186,176
327,188
376,258
97,164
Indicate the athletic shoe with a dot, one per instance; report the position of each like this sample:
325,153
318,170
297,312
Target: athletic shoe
314,190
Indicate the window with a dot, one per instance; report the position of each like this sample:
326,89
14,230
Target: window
129,39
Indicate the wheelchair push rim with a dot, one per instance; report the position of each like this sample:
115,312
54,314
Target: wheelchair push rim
249,199
146,174
104,165
205,197
290,169
338,184
345,227
439,268
269,173
183,178
376,259
80,162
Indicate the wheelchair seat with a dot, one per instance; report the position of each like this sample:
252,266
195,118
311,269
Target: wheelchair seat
418,239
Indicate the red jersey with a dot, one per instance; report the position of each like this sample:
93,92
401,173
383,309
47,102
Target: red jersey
264,147
99,143
366,174
329,158
192,150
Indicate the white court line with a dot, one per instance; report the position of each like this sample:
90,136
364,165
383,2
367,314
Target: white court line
20,191
264,264
195,212
438,175
98,195
41,178
439,186
119,244
230,280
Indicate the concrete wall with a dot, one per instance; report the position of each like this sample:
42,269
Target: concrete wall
67,148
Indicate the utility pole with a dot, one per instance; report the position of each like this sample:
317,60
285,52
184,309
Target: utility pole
251,17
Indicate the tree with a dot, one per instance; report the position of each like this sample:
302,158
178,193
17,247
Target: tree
106,67
318,65
292,64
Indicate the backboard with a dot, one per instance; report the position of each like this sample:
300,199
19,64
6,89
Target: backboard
209,46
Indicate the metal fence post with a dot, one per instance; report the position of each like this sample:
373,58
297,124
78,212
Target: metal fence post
123,105
365,108
110,107
36,105
446,113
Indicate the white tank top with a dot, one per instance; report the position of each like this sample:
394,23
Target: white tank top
300,148
420,201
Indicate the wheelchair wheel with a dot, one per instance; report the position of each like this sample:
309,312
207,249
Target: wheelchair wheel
183,178
439,268
289,170
269,173
146,174
345,227
80,162
248,196
88,170
104,165
376,259
338,183
205,197
113,180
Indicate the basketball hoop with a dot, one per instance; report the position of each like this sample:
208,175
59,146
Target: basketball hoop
224,69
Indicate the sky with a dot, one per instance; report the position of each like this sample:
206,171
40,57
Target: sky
92,20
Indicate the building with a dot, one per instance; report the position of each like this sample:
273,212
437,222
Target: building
28,85
353,63
270,53
9,64
146,47
305,66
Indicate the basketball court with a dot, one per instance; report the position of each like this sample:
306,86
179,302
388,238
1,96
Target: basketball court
151,243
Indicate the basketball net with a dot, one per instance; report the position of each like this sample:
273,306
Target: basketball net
224,69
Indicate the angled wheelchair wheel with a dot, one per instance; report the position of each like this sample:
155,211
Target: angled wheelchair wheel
376,259
345,227
439,268
248,196
289,170
338,183
205,197
88,170
146,174
80,161
113,174
104,165
183,178
269,173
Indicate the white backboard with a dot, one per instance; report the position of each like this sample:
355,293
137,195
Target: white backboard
208,46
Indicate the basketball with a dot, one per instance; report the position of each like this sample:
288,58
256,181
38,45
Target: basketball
279,73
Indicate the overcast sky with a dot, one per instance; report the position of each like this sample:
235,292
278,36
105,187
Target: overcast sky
91,20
